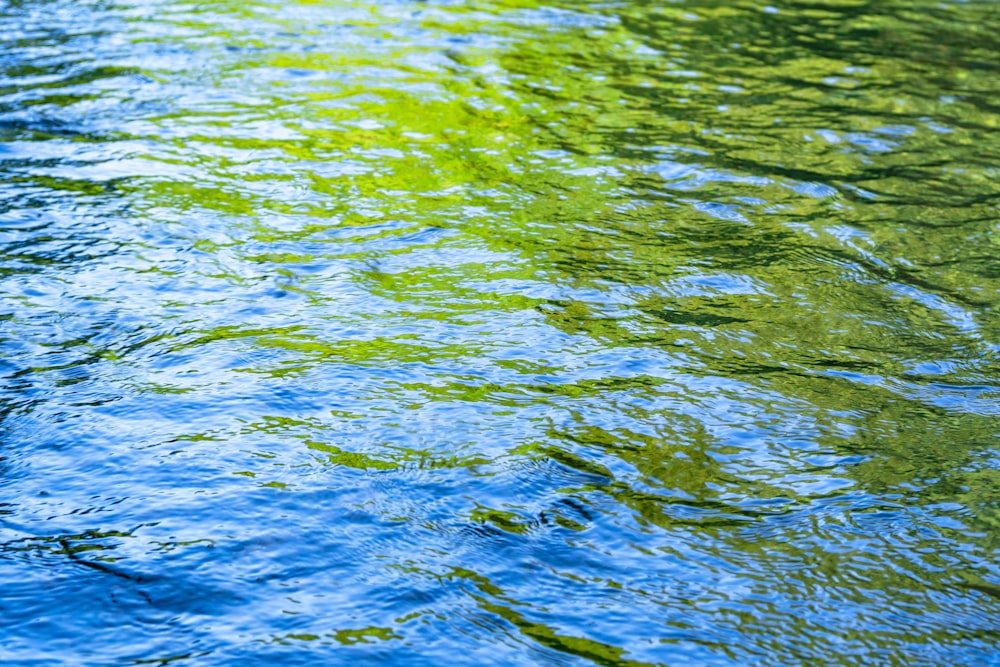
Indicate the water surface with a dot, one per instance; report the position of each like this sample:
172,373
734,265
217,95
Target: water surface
499,332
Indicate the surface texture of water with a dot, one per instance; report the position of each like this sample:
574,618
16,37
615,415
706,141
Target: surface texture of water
499,332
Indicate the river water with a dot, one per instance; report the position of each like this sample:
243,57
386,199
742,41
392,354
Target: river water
499,332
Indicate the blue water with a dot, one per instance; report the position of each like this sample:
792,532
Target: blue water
499,332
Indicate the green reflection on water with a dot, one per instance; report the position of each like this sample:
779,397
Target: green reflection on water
703,286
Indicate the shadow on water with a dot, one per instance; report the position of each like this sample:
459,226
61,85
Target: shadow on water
499,332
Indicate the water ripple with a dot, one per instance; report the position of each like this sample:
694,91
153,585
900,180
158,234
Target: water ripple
499,332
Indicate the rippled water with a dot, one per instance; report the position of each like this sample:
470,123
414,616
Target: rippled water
499,332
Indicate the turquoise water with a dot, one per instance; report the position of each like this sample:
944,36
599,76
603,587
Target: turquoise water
499,333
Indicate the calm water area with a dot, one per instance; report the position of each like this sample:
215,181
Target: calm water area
499,332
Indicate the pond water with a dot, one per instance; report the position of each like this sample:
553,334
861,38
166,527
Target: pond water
499,332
